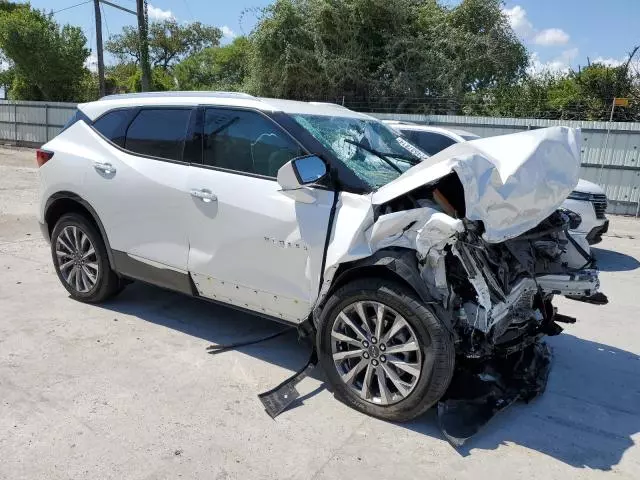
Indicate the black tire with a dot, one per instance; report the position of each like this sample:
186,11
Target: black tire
430,333
107,283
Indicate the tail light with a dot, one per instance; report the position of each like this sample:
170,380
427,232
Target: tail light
43,156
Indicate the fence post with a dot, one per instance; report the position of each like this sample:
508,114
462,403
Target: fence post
46,122
15,122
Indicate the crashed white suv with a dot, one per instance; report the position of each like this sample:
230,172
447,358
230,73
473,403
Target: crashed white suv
403,266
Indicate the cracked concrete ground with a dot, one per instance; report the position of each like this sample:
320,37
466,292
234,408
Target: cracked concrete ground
127,390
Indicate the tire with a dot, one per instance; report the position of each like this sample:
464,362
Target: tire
83,251
435,353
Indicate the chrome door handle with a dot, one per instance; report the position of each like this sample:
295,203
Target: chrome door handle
204,194
104,167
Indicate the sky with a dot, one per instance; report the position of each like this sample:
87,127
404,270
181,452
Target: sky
559,34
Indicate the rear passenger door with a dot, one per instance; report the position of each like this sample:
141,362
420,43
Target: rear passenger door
250,245
138,187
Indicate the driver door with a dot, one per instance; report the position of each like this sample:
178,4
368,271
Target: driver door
251,245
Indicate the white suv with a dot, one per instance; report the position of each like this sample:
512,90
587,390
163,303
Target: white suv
313,215
587,200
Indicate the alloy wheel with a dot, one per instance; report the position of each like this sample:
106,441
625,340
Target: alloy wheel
376,352
77,259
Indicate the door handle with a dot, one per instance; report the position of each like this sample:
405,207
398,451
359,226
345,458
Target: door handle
204,194
106,168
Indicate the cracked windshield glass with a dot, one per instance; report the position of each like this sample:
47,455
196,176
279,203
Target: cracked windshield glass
376,153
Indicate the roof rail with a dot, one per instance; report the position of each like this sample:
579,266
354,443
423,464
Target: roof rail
329,103
193,93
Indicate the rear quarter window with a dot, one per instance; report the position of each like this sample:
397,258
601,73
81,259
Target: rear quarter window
113,125
159,132
77,116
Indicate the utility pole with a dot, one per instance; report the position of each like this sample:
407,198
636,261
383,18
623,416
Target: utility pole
142,35
144,44
96,4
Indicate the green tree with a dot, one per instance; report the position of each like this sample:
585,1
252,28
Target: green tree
48,60
377,49
169,42
127,77
585,94
216,68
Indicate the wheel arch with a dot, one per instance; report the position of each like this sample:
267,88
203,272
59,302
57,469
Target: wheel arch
395,264
61,203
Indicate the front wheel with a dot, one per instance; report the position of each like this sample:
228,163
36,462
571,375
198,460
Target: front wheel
384,351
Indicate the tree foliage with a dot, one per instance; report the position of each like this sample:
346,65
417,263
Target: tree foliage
368,49
216,68
48,60
584,94
404,56
169,42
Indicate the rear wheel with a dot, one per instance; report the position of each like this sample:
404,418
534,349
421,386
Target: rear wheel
384,352
81,262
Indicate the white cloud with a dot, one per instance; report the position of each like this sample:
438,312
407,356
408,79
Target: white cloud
156,13
517,17
518,20
609,62
92,62
551,36
227,33
560,64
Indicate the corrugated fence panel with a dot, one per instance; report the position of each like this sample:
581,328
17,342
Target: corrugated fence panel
32,123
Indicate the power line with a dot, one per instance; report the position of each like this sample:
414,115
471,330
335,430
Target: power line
186,4
104,15
72,6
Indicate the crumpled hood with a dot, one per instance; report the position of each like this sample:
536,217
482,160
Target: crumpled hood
511,182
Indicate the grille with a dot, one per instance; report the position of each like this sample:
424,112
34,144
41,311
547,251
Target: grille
599,202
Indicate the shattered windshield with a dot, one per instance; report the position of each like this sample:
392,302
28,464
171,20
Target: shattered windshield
373,151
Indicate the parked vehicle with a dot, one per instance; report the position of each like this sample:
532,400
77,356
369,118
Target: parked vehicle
587,200
314,215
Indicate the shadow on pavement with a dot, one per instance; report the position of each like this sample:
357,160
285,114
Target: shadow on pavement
610,261
216,324
586,417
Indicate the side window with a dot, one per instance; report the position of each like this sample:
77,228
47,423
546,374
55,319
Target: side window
158,132
113,125
431,143
76,117
246,142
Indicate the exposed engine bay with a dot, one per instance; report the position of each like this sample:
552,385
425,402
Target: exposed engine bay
499,294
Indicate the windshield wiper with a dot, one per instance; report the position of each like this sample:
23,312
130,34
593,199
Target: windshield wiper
383,155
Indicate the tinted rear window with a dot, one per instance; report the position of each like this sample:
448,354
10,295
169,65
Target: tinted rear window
430,142
158,132
113,125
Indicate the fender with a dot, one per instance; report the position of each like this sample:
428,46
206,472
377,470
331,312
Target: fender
64,195
398,263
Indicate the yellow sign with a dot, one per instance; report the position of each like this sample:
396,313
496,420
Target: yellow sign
621,102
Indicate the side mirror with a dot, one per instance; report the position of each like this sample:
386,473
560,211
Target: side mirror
295,174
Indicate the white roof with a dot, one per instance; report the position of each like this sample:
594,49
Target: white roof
229,99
